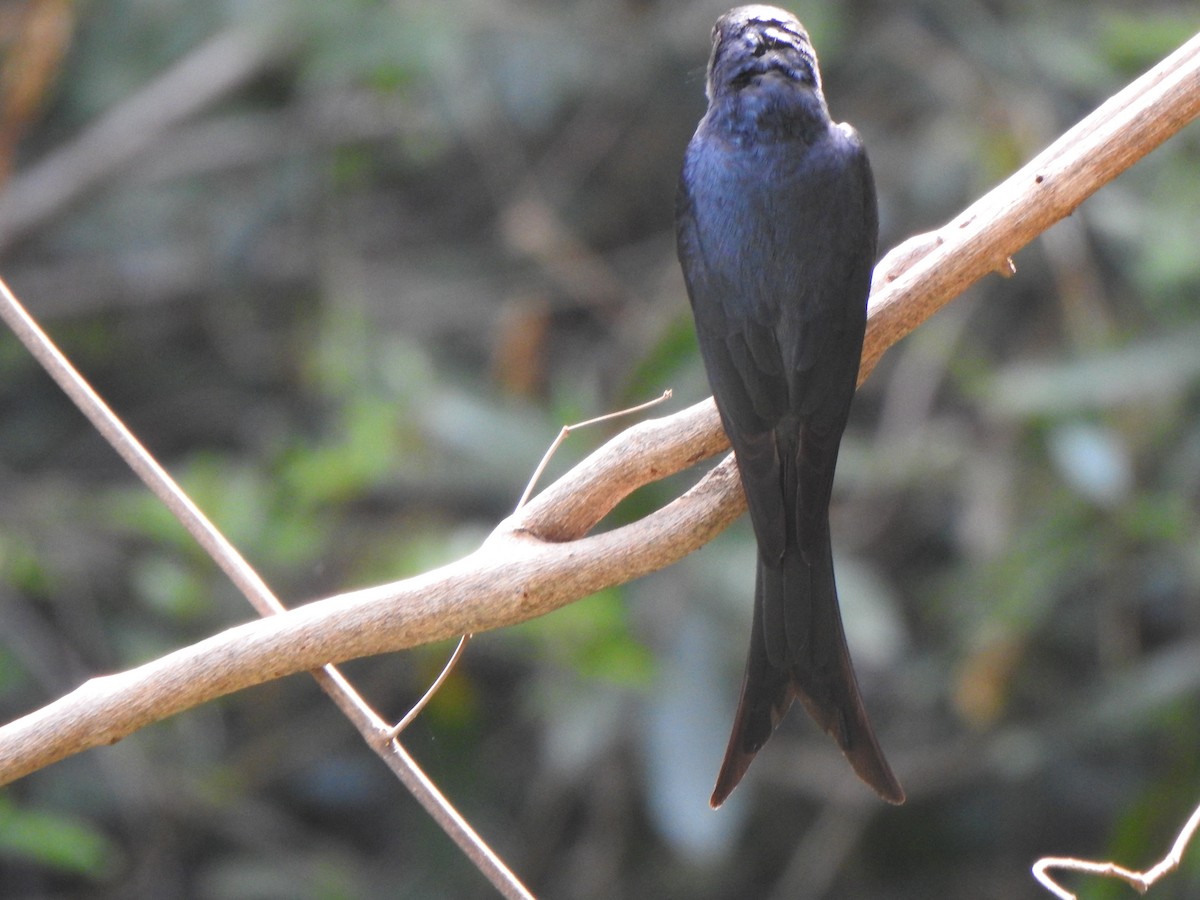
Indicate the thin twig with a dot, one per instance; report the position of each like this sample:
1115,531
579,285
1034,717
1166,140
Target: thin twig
465,639
1139,881
566,430
395,731
248,581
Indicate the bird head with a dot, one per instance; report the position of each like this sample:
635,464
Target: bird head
756,44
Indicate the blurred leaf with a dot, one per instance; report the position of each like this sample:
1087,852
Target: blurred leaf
578,725
1166,261
1013,593
674,352
491,433
1136,42
684,734
60,842
457,703
367,42
322,874
1160,518
233,496
14,675
361,454
984,679
1149,371
871,613
1094,460
169,587
22,568
592,638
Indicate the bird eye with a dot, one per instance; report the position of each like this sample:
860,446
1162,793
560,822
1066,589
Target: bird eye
765,43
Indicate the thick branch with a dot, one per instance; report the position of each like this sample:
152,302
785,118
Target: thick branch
514,576
538,559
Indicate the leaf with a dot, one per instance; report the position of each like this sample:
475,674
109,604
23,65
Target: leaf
64,843
1147,371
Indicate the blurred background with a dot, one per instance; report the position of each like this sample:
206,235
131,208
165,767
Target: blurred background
347,267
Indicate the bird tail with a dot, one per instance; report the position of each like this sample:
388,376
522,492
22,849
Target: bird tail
798,651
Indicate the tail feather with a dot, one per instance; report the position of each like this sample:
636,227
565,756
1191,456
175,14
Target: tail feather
812,664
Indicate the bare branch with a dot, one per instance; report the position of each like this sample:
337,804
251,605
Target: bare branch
540,559
1139,881
923,274
563,434
378,736
516,575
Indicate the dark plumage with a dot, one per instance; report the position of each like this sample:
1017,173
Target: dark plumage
777,226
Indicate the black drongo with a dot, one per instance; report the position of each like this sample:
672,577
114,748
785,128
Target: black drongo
777,225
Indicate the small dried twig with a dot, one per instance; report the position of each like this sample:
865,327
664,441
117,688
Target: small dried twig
461,646
396,730
1139,881
566,432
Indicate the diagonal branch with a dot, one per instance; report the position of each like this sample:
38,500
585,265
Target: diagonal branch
539,559
981,239
379,737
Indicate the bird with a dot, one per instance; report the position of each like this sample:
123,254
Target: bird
776,228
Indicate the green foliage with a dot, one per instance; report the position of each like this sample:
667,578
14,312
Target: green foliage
590,638
1136,42
62,843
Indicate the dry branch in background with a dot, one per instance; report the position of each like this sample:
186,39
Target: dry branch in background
379,736
209,73
542,558
1139,881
